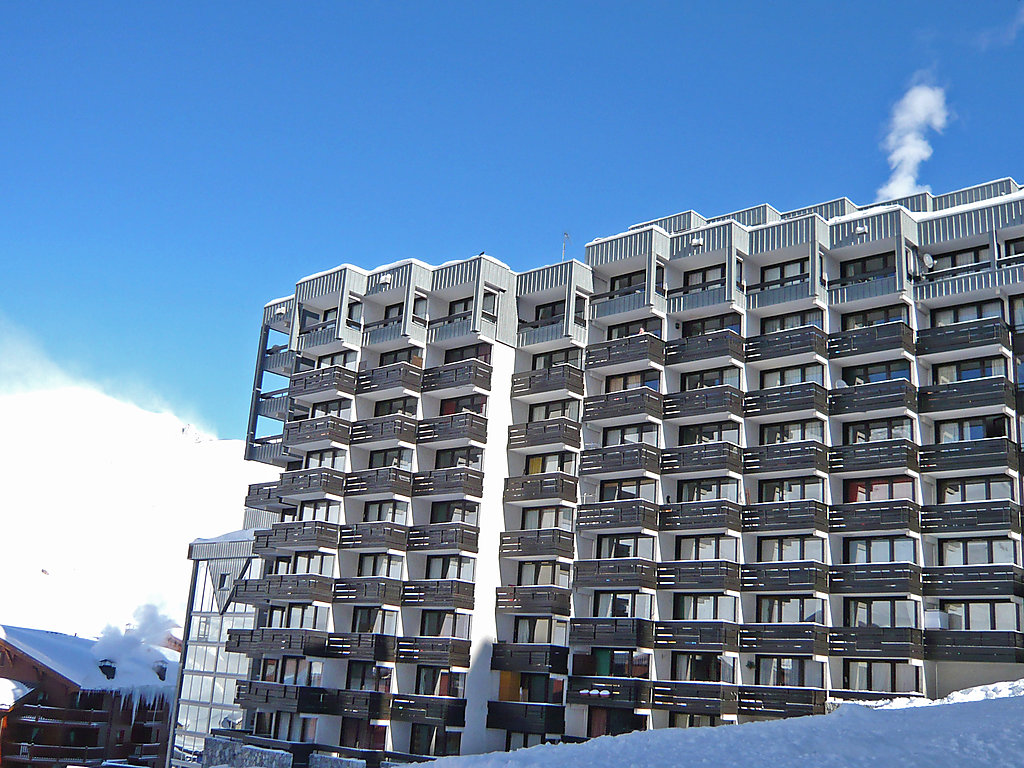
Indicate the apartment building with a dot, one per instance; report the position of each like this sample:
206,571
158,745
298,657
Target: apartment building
726,469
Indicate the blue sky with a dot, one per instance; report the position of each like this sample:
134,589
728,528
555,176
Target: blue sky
165,169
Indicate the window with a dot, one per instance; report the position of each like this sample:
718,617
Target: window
790,610
787,273
435,623
397,356
466,403
715,377
433,740
533,573
703,667
780,549
439,681
630,434
896,428
706,547
535,518
570,356
721,432
982,615
964,313
613,662
962,489
711,489
967,370
554,310
542,463
355,315
344,359
868,612
489,306
223,580
651,325
793,432
878,489
457,511
579,314
627,488
636,280
627,381
559,409
887,549
320,509
706,325
394,311
622,605
977,551
791,320
703,607
448,458
1013,249
967,260
538,629
978,428
796,374
796,489
683,720
419,309
872,372
480,351
367,676
380,564
870,317
331,459
372,618
703,279
389,511
406,405
516,740
868,266
449,567
460,306
788,670
391,457
530,687
339,408
625,545
881,676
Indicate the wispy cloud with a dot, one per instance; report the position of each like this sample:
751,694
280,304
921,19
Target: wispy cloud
921,109
997,37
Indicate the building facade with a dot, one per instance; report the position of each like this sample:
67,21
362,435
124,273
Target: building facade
726,469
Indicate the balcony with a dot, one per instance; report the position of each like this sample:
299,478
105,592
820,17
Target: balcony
438,593
368,590
609,303
303,535
311,483
384,481
613,515
685,301
875,578
535,385
971,517
549,329
561,432
859,458
545,542
975,335
786,516
617,573
960,457
717,346
807,455
974,581
858,288
444,537
700,516
875,516
381,332
703,459
992,392
874,340
384,430
699,575
390,380
526,717
548,600
697,636
466,375
796,576
895,396
322,384
621,460
428,710
622,692
616,633
457,429
252,694
273,405
877,642
806,340
379,535
706,403
807,396
279,360
530,657
771,701
453,481
264,496
436,651
784,639
642,403
451,328
284,588
266,641
268,450
694,698
359,646
631,353
761,295
552,487
316,434
963,645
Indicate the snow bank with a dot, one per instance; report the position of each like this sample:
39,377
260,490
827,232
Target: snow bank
11,691
1005,690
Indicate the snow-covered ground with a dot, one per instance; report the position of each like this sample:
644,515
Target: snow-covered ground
976,727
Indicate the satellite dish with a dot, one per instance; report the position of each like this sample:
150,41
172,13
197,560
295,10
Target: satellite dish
928,259
841,384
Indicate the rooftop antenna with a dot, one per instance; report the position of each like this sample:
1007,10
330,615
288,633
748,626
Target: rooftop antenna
565,239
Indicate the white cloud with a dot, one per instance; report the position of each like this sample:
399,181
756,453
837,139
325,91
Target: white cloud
1003,36
921,109
101,497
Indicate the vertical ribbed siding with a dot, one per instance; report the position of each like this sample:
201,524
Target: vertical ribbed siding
272,315
455,274
751,217
625,246
680,222
828,210
713,238
389,278
321,285
544,279
886,225
971,223
789,233
975,194
919,203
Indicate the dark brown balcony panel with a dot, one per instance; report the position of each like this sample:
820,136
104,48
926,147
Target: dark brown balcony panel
711,346
707,402
619,573
803,514
298,535
437,651
545,542
971,517
264,496
284,588
322,431
875,578
989,331
311,483
610,515
368,590
529,657
703,458
621,459
252,694
269,641
994,392
807,396
805,455
33,754
784,639
692,698
697,636
993,452
438,593
454,428
865,457
322,384
457,481
460,375
534,599
374,535
461,537
700,515
699,575
870,516
428,710
558,378
643,348
383,481
561,432
552,486
641,403
398,427
964,645
806,340
390,377
974,581
359,646
623,692
617,633
880,642
798,576
771,701
895,395
888,337
523,717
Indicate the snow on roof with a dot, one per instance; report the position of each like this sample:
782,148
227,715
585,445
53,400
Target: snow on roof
244,534
11,691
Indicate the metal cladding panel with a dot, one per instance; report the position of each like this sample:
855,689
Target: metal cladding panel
715,238
271,314
680,222
980,221
810,229
544,279
321,285
975,194
829,210
389,278
219,550
886,225
751,217
919,203
641,242
976,281
455,274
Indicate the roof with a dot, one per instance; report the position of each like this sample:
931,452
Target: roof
245,534
11,691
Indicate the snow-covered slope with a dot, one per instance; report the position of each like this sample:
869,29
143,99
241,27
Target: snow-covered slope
983,729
